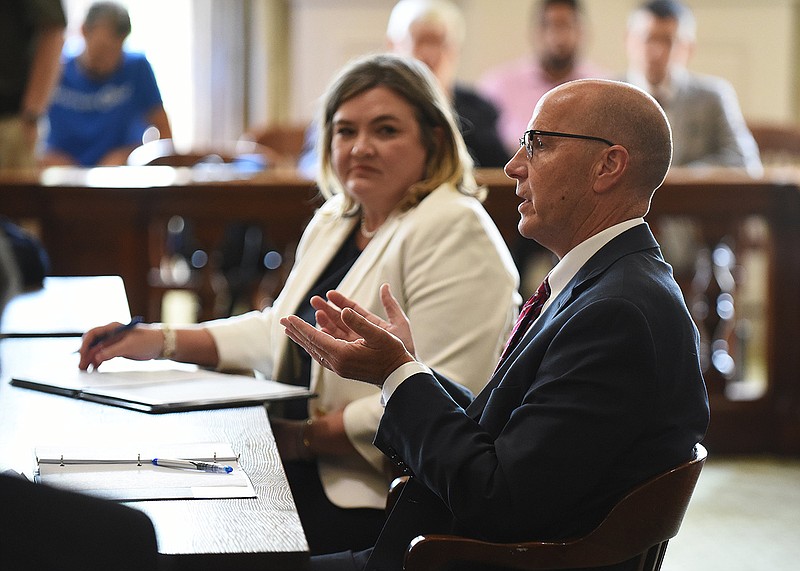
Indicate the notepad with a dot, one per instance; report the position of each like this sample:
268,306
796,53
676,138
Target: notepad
152,386
126,473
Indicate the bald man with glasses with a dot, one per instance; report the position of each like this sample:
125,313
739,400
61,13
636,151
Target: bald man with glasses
599,387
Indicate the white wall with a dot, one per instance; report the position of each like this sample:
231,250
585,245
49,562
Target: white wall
749,42
297,46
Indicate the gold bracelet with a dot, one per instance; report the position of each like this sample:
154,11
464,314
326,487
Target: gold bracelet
170,342
304,435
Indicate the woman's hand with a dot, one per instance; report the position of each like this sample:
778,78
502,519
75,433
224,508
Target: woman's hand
289,437
141,343
300,440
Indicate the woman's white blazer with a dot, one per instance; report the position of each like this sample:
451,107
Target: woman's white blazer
454,277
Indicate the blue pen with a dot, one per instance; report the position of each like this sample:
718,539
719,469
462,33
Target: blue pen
192,465
115,332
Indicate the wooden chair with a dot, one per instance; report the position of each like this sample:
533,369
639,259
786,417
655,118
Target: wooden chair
638,526
778,143
162,152
286,141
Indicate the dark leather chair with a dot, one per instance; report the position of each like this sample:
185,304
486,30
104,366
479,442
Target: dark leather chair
639,526
48,528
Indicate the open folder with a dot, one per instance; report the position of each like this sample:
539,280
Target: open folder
128,473
153,386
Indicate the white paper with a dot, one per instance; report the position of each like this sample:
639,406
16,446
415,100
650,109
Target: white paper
127,473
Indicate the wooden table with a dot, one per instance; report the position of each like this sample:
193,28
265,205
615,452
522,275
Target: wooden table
261,533
255,533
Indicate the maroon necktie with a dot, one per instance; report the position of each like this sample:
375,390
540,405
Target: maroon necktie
530,311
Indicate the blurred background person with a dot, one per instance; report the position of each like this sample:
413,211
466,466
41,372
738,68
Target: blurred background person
433,32
31,38
557,36
708,127
402,208
106,99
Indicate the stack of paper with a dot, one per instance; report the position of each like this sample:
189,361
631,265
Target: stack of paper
153,386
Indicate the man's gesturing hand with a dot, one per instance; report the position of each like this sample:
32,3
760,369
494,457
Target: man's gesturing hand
329,316
361,349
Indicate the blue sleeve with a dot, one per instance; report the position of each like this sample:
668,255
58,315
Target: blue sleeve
148,95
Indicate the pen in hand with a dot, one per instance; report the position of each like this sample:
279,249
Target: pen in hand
192,465
116,332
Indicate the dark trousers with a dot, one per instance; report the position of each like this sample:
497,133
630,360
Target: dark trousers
344,561
329,528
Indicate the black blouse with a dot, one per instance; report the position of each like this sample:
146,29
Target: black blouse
330,279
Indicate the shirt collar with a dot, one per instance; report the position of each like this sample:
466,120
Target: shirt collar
568,266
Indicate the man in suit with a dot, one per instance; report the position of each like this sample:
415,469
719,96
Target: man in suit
707,124
600,392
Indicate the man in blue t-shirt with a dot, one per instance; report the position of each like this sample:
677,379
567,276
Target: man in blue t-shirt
106,98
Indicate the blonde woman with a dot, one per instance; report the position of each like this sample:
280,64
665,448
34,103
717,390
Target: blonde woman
402,208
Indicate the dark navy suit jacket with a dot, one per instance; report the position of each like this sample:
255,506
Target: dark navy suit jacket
604,391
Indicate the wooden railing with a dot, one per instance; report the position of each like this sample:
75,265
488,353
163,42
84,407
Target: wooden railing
734,243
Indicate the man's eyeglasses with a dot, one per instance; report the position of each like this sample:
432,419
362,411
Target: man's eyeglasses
528,141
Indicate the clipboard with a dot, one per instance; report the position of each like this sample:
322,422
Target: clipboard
127,473
156,387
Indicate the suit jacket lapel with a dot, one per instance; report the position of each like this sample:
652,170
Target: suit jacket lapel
633,240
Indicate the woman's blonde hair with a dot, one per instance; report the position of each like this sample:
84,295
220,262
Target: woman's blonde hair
448,160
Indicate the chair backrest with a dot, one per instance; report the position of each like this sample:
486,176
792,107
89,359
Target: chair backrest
778,143
639,525
162,152
48,528
285,140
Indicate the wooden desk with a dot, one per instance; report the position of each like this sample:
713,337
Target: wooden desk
66,307
261,533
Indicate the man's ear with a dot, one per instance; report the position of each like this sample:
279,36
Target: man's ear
610,168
